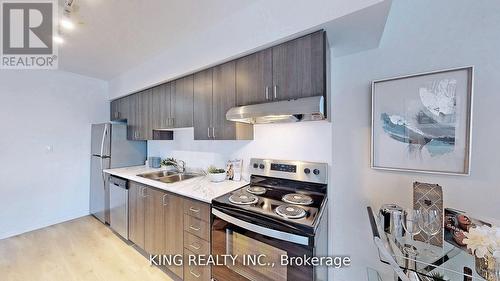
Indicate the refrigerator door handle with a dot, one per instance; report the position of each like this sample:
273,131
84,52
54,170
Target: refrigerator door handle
102,174
102,156
103,139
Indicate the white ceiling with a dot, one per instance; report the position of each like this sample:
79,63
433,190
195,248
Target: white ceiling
116,35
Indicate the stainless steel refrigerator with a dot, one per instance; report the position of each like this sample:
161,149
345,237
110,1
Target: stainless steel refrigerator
110,149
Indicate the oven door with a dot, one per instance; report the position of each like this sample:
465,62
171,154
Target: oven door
247,241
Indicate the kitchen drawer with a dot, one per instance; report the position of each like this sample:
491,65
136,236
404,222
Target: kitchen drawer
196,244
197,209
197,227
196,272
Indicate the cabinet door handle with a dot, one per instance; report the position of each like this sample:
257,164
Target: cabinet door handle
194,274
144,192
194,210
213,132
275,91
163,200
194,247
267,92
208,132
194,228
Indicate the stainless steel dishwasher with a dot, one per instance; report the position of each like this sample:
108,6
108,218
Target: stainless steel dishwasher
118,206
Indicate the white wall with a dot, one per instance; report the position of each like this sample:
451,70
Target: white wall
40,109
260,23
420,36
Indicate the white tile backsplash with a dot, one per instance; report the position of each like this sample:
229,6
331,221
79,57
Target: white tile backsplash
308,141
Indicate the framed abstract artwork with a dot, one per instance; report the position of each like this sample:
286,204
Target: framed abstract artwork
422,122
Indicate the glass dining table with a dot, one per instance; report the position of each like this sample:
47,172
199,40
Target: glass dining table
445,263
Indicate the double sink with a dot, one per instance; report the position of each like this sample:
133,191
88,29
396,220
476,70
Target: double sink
169,176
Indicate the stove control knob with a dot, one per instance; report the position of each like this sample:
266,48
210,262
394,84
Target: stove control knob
255,165
261,166
316,172
307,171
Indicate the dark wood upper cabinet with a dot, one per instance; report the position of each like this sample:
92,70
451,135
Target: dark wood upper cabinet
144,115
132,120
223,99
299,67
113,112
254,78
161,110
119,109
203,105
140,116
294,69
182,102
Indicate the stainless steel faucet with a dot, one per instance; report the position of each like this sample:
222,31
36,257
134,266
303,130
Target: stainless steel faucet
179,165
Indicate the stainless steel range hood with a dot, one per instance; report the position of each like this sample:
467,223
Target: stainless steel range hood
302,109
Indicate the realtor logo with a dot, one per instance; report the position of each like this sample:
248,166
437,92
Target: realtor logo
27,35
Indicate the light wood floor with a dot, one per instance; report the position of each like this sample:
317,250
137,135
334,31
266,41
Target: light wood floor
80,250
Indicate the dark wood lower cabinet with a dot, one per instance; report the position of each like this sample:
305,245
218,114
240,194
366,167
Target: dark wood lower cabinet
174,234
155,222
136,214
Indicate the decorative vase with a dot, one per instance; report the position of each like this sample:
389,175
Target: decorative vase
488,268
219,177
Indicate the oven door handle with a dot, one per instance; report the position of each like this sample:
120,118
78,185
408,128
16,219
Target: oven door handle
289,237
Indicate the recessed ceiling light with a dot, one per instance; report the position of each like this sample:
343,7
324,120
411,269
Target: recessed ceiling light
67,24
58,39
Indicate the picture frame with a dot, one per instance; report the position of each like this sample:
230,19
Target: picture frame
233,169
423,122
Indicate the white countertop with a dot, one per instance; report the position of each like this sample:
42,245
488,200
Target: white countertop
199,188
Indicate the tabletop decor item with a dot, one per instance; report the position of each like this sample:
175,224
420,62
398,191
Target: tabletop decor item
216,175
427,197
154,162
456,225
234,168
390,217
422,122
484,243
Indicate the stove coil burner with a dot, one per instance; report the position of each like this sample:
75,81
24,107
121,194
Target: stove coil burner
258,190
243,199
297,199
290,212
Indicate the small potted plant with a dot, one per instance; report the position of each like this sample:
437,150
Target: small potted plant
215,174
484,243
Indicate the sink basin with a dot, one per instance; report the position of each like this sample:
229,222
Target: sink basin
168,176
178,177
157,175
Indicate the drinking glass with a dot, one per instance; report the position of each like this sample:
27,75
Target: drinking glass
410,225
430,223
497,270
